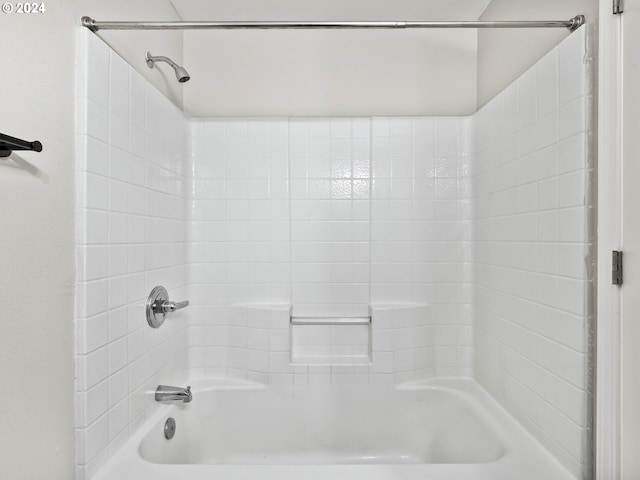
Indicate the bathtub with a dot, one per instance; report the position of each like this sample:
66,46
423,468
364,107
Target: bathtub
233,430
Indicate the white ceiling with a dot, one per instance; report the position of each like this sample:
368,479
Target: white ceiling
330,10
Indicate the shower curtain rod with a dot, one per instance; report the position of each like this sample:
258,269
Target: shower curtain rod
95,25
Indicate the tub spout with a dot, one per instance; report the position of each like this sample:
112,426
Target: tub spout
167,393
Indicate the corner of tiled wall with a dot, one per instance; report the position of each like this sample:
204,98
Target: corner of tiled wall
131,237
531,238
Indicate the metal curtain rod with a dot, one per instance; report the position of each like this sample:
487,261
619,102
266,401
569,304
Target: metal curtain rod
95,25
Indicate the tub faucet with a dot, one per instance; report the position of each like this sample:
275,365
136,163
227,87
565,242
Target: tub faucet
165,392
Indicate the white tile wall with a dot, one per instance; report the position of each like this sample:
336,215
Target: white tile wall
303,212
131,236
240,211
530,211
240,249
420,226
330,184
407,344
402,344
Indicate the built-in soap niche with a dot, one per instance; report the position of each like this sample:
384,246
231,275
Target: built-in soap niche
330,340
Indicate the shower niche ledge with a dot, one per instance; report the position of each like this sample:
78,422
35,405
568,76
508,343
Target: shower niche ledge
330,340
390,338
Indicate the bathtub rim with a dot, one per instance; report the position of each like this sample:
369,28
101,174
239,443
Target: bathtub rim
524,454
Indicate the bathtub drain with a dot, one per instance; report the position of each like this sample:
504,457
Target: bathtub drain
169,428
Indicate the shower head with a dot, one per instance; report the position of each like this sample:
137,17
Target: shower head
181,74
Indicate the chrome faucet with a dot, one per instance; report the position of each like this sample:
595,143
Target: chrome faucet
167,393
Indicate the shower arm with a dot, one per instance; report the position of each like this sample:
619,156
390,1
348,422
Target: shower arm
94,25
151,59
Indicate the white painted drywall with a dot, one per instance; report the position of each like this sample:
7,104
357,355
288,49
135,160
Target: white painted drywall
37,246
330,72
503,55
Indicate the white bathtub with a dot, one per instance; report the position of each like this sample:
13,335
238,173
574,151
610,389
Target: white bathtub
444,429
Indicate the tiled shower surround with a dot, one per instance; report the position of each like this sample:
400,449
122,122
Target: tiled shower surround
464,239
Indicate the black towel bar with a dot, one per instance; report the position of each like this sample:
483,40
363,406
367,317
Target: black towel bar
8,144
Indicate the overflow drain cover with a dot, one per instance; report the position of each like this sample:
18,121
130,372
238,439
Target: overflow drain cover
169,428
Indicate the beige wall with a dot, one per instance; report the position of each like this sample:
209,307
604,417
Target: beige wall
503,55
330,73
37,246
37,239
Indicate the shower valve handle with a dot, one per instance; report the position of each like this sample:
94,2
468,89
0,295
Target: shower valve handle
158,305
168,306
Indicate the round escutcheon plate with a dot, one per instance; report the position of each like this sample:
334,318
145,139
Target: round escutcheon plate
169,428
156,316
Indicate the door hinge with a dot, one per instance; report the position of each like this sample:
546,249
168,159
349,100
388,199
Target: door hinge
618,6
616,267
